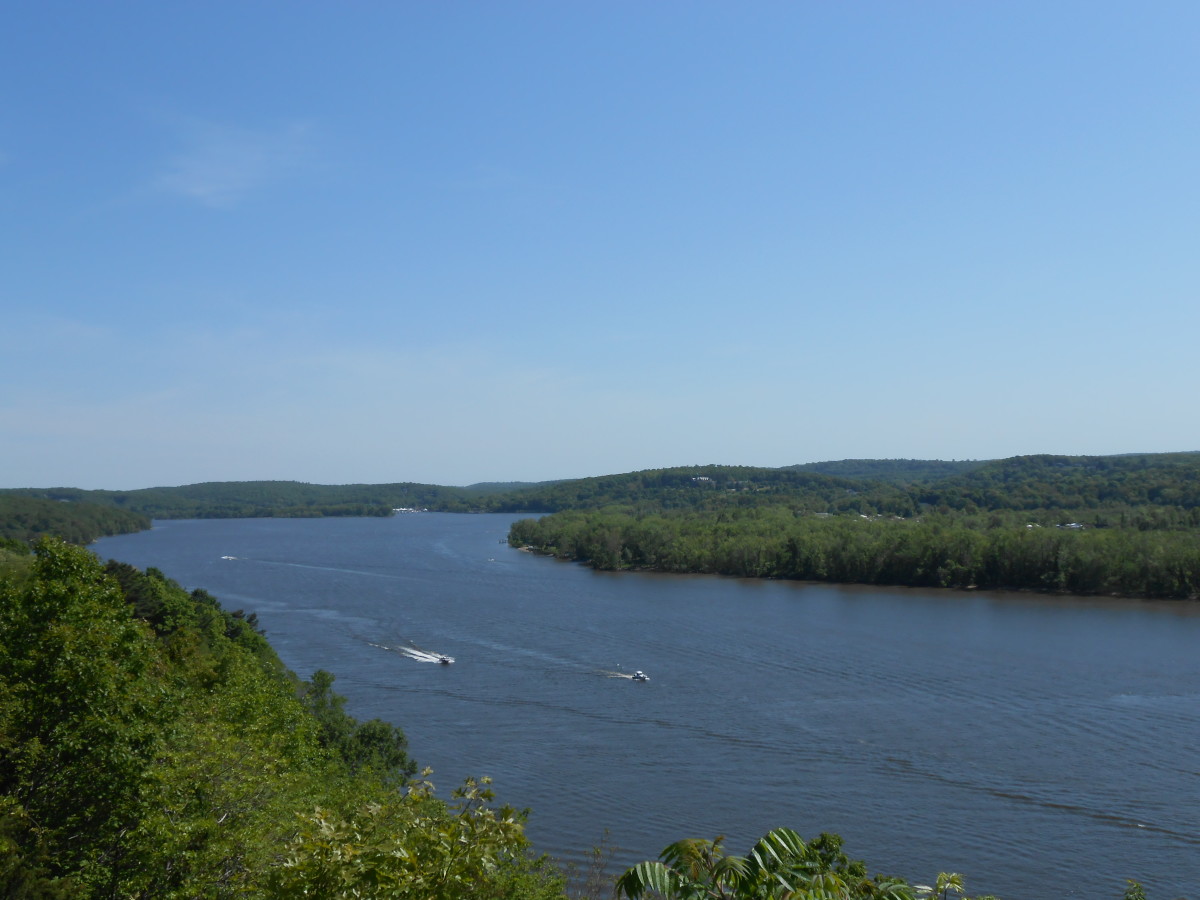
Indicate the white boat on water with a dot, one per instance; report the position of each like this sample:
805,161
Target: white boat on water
445,660
639,675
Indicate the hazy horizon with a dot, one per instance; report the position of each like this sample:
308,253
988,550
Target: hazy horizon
457,243
563,478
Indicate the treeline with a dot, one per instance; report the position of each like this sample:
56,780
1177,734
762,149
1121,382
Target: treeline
1072,483
153,745
706,487
688,487
24,519
1078,485
256,499
873,487
955,551
893,471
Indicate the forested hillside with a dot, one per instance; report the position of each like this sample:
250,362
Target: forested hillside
893,471
705,487
23,519
1163,480
152,745
892,487
1120,485
252,499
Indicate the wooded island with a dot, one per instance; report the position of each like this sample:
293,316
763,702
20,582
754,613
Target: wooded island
1126,526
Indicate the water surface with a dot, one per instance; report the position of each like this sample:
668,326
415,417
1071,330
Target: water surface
1045,747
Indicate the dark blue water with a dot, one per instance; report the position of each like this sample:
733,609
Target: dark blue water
1044,747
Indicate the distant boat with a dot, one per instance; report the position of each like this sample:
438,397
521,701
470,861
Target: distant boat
445,660
639,675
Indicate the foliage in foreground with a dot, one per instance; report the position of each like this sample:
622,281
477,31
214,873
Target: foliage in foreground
153,746
410,848
781,866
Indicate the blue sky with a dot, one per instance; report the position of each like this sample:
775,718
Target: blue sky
457,242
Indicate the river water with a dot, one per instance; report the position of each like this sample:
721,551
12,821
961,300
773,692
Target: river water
1044,747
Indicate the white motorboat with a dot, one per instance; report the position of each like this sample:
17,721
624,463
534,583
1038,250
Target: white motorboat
639,675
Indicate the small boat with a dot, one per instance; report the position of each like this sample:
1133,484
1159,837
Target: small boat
639,675
445,660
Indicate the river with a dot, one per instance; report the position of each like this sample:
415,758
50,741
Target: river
1045,747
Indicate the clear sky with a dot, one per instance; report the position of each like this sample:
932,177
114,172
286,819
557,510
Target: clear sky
453,242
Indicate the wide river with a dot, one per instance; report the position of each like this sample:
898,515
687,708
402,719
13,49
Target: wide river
1044,747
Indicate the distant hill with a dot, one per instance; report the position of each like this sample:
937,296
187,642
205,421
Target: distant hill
502,487
891,487
251,499
900,487
24,519
701,487
893,471
1073,482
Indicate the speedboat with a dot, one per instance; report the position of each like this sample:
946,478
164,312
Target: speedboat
639,675
445,660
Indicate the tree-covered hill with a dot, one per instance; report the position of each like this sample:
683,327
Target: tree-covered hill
23,519
1058,484
1154,486
502,487
703,487
250,499
892,471
1073,482
153,745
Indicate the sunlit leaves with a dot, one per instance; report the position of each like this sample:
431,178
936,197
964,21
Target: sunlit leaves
412,847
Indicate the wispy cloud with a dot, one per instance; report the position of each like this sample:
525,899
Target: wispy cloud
220,164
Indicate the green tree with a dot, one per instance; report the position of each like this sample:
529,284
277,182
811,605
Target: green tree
25,864
82,708
414,847
376,745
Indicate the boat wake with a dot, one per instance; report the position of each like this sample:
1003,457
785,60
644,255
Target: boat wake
413,652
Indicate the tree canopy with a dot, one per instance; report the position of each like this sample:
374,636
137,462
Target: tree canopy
153,745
